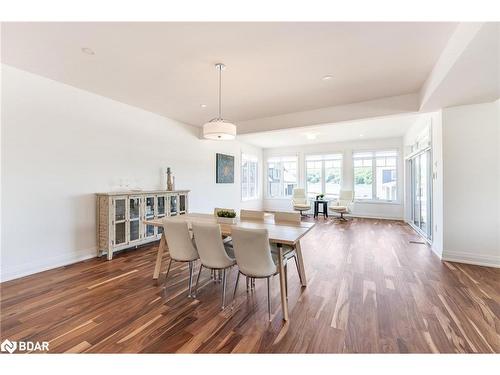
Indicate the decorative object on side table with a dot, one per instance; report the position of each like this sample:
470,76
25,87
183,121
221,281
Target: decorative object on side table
170,184
226,217
224,169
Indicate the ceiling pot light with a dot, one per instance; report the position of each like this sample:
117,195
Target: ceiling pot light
203,105
88,51
218,128
327,78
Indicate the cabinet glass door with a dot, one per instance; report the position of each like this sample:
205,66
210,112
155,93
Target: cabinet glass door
134,218
162,210
149,215
120,215
182,204
173,205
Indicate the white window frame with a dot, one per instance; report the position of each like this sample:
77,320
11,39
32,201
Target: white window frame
251,159
374,198
281,159
324,155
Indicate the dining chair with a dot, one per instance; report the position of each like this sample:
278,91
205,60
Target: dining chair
254,257
287,217
251,215
181,246
289,252
213,254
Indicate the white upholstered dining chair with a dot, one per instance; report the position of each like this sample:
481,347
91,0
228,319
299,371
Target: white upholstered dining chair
213,254
251,215
254,257
181,246
293,218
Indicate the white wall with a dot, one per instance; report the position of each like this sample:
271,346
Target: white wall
471,189
60,145
378,210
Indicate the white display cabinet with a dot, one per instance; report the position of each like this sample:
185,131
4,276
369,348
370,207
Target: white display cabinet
120,217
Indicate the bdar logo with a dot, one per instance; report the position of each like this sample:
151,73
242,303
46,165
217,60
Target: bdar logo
8,346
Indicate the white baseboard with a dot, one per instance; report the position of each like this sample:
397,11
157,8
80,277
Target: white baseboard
376,217
45,264
471,258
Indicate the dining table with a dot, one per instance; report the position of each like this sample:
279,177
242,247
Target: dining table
282,233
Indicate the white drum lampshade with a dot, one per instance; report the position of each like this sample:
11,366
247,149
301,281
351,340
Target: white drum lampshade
218,129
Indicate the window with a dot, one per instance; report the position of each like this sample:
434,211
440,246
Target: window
249,184
323,175
281,176
375,175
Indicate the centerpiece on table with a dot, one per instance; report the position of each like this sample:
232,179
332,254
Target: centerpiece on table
226,217
320,197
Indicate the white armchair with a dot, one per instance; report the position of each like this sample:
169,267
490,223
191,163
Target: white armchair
299,200
343,205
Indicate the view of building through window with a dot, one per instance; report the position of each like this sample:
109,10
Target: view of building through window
375,175
281,176
249,179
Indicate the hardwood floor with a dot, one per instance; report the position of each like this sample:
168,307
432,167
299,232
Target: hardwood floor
369,290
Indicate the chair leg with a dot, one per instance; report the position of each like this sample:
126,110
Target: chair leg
190,278
298,269
268,299
236,286
286,279
248,283
224,282
197,280
168,270
253,283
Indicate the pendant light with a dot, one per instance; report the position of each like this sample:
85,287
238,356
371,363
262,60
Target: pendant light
218,128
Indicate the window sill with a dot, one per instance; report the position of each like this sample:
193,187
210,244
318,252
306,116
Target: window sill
250,199
374,201
278,199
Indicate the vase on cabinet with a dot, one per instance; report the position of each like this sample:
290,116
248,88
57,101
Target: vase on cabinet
170,185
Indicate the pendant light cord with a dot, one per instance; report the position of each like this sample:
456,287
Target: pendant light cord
220,91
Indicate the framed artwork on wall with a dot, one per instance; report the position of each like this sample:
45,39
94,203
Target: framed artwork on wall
224,169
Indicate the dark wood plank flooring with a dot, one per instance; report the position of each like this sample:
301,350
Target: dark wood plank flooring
369,291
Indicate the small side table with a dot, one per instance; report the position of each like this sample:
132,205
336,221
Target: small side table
317,202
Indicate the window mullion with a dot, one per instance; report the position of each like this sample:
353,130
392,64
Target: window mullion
374,178
323,186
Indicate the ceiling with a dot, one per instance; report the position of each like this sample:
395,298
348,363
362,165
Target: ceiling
474,76
272,68
386,127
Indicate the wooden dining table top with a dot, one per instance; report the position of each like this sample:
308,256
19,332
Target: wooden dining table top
284,233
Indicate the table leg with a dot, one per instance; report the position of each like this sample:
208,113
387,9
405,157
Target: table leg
315,210
281,266
161,248
302,269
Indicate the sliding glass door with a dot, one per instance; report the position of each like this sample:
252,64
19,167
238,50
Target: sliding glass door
421,192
